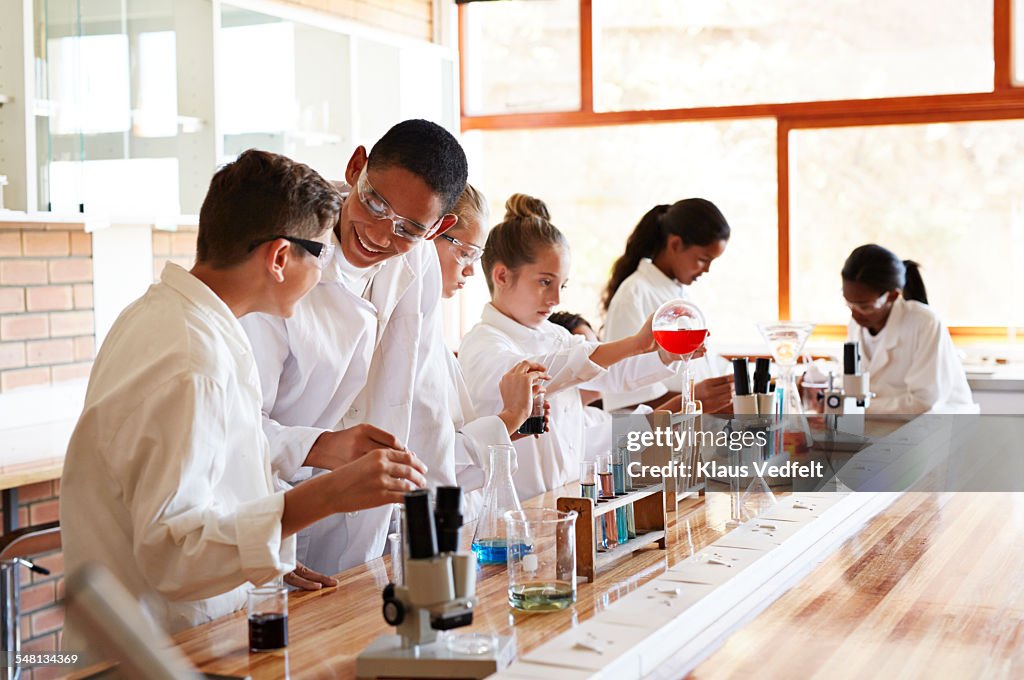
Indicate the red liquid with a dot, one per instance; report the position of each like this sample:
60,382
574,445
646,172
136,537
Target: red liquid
680,342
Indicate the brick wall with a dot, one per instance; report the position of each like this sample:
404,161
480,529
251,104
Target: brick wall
42,614
46,307
177,246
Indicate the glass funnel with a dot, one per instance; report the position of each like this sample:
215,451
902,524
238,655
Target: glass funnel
490,539
679,328
786,342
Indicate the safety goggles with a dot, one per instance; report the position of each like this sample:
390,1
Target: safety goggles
868,307
380,209
465,253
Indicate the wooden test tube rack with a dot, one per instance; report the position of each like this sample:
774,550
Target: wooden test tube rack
649,517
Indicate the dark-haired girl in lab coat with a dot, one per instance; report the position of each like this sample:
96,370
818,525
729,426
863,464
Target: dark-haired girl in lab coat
906,348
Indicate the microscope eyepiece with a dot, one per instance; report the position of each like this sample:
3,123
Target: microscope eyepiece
851,358
419,522
448,517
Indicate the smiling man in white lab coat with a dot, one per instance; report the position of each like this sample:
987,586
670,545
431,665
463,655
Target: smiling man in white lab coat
366,345
167,480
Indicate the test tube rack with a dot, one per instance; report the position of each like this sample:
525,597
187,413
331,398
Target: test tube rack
649,518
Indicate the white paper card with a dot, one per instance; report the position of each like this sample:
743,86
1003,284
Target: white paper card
524,670
692,571
756,538
591,645
655,604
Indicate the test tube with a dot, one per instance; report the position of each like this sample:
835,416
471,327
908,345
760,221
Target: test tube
588,479
604,474
619,483
588,489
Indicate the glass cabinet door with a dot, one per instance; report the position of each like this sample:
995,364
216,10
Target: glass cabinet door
106,106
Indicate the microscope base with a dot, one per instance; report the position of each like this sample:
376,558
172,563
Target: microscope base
386,658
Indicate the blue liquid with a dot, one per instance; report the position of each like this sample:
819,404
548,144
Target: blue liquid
619,478
491,551
621,527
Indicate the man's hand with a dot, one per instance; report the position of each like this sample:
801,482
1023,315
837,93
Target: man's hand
376,478
334,449
715,394
305,578
517,388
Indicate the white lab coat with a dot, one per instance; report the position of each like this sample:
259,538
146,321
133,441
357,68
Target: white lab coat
636,299
473,435
167,480
497,342
315,364
914,367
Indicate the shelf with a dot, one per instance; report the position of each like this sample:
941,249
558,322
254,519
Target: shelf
604,505
622,550
649,519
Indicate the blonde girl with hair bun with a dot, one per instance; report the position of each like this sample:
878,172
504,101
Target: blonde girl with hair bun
526,262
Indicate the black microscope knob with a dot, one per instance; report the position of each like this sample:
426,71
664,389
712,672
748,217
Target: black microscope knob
394,612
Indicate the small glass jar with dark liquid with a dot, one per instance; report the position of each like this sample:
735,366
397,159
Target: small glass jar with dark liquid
268,618
535,423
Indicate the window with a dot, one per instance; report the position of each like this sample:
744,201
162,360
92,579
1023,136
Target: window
598,183
525,56
912,107
946,195
670,54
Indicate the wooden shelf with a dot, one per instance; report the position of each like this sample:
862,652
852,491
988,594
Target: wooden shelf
649,520
623,550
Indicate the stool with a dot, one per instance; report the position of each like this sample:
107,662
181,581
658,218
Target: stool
14,548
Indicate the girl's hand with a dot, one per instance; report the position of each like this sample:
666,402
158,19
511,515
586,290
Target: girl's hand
517,388
645,337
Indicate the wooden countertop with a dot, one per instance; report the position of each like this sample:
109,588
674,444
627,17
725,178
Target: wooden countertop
34,453
327,629
932,587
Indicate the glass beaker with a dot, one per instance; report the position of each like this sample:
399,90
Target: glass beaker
267,607
489,539
541,559
535,423
679,328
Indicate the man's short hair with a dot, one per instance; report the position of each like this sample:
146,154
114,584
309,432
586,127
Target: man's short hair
428,151
259,195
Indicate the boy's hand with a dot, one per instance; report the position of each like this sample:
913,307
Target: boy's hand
334,449
305,578
378,477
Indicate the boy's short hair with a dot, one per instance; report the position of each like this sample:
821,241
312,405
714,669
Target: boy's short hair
259,195
428,151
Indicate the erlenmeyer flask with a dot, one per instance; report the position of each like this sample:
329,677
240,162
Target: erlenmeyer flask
490,539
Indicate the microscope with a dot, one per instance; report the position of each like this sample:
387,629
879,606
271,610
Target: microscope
851,398
437,593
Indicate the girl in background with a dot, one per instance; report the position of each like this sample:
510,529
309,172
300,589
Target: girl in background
458,249
670,248
526,262
906,348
